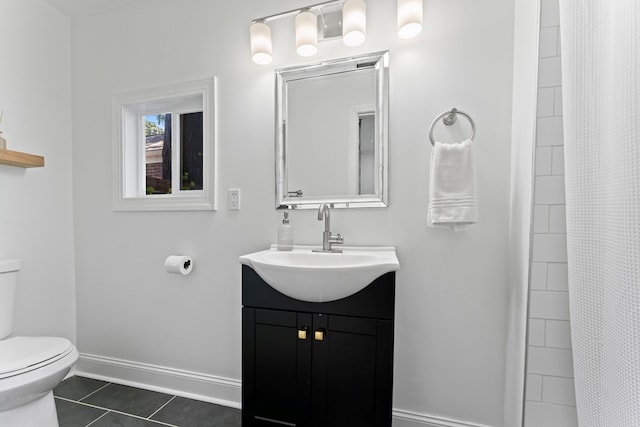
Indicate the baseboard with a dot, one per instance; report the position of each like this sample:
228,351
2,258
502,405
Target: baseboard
209,388
192,385
402,418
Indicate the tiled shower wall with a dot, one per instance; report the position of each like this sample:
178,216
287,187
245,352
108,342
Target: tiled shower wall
550,394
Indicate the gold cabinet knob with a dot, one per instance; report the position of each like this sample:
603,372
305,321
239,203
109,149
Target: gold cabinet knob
318,335
302,333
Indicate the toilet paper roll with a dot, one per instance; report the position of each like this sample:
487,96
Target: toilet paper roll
178,264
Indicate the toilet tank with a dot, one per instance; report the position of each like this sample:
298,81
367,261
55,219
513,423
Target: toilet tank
8,282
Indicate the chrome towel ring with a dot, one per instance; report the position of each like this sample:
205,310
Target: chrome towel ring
449,118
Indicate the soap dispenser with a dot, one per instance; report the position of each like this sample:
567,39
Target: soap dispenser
285,234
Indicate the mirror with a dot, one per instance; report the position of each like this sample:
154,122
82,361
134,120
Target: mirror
332,133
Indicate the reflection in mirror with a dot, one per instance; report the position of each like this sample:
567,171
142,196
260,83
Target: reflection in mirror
331,142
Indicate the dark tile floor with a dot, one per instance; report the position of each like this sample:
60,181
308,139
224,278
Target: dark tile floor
83,402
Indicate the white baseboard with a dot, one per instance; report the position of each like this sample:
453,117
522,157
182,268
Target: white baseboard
192,385
209,388
402,418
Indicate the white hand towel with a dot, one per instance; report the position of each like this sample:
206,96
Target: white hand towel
452,187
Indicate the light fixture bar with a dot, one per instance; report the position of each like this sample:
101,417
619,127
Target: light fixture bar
296,11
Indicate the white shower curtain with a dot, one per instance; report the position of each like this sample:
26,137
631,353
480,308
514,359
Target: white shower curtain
601,90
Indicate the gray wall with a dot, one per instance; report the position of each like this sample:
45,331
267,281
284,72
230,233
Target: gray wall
451,289
36,216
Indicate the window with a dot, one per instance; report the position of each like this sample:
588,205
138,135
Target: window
164,148
173,138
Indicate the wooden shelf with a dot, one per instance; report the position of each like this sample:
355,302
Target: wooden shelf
22,160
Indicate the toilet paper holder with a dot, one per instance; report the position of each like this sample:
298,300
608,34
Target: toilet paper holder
178,264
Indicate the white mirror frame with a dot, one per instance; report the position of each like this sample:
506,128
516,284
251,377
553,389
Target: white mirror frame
127,150
381,108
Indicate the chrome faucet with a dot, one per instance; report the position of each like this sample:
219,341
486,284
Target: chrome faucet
328,239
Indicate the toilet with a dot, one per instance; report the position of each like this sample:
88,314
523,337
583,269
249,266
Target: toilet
30,367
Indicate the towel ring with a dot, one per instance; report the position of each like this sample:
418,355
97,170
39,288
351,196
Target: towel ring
449,118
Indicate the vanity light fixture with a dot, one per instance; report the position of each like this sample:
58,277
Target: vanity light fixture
354,22
409,18
261,48
327,20
306,33
320,21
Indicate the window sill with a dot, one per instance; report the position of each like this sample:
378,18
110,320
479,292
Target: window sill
202,202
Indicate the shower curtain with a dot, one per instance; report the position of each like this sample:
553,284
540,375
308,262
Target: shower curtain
601,92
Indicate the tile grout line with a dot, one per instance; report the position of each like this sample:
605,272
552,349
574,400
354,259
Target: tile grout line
94,392
160,408
115,411
92,422
142,418
552,403
83,403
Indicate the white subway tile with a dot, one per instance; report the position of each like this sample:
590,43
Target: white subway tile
550,361
549,72
559,390
557,163
549,132
557,101
559,43
557,277
546,102
549,305
549,13
557,219
534,388
549,190
541,219
548,42
544,160
539,414
538,275
549,248
558,334
537,330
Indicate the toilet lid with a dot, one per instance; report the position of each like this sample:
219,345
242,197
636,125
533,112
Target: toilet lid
18,353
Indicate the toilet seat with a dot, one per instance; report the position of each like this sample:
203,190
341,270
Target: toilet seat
23,354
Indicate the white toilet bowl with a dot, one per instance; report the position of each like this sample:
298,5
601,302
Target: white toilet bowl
30,367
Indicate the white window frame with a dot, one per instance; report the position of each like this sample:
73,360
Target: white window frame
129,177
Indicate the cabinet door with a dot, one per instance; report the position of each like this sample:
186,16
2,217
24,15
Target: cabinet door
276,368
352,372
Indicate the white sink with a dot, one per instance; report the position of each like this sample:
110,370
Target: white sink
320,277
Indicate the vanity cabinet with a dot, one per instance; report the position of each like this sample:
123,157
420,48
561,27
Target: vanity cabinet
317,364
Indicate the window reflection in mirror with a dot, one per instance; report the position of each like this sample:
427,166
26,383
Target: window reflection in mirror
366,153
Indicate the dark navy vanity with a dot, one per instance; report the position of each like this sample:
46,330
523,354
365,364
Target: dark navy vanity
326,364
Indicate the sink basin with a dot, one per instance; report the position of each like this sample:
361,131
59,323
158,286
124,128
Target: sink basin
320,277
